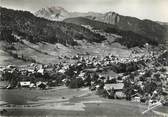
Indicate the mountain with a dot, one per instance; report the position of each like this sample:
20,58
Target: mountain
57,13
53,13
30,38
27,38
97,25
146,28
34,29
129,38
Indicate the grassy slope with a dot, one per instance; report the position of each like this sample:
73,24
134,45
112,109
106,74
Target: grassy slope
44,52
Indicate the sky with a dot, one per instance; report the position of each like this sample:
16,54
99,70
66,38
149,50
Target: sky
156,10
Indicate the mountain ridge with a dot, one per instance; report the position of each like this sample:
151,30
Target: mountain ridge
129,38
146,27
59,13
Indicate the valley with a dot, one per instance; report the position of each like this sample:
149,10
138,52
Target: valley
60,63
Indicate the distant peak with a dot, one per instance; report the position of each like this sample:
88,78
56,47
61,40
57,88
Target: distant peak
53,9
112,13
53,13
56,8
112,17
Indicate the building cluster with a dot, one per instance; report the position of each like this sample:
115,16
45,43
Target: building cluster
138,77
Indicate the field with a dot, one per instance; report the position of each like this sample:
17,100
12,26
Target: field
64,102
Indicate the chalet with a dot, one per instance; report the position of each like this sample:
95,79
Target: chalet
25,83
117,87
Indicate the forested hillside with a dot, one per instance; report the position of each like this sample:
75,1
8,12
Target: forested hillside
129,38
34,29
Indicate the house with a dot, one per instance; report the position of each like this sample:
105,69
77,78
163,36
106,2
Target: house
117,87
25,83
